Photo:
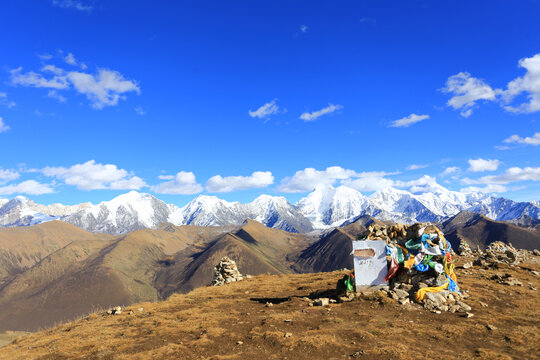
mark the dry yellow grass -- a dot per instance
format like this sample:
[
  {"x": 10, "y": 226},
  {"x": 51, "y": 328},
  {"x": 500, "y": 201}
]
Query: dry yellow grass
[{"x": 232, "y": 322}]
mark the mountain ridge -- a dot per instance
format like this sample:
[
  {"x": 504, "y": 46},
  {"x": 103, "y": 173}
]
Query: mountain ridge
[{"x": 323, "y": 208}]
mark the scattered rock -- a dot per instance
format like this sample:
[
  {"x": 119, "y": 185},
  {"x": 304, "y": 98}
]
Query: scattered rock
[
  {"x": 464, "y": 306},
  {"x": 269, "y": 304},
  {"x": 239, "y": 342},
  {"x": 321, "y": 302},
  {"x": 506, "y": 279},
  {"x": 491, "y": 327},
  {"x": 287, "y": 335},
  {"x": 483, "y": 304},
  {"x": 140, "y": 309},
  {"x": 467, "y": 265},
  {"x": 468, "y": 315},
  {"x": 114, "y": 311},
  {"x": 401, "y": 293},
  {"x": 404, "y": 301}
]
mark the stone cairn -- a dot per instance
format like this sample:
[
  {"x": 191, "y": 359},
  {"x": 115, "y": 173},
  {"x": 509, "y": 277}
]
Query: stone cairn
[
  {"x": 465, "y": 249},
  {"x": 226, "y": 272},
  {"x": 407, "y": 282},
  {"x": 500, "y": 253}
]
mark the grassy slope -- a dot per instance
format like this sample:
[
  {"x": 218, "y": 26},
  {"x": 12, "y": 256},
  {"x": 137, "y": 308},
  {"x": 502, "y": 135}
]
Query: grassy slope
[
  {"x": 479, "y": 231},
  {"x": 23, "y": 247},
  {"x": 208, "y": 323}
]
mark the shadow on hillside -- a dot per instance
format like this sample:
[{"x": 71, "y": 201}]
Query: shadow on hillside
[{"x": 329, "y": 293}]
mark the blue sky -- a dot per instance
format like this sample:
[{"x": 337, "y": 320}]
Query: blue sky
[{"x": 240, "y": 98}]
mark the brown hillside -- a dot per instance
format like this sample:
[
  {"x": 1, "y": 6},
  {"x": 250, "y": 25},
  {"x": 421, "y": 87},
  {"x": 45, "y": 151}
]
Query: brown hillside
[
  {"x": 85, "y": 275},
  {"x": 330, "y": 253},
  {"x": 479, "y": 232},
  {"x": 232, "y": 322},
  {"x": 23, "y": 247},
  {"x": 256, "y": 248},
  {"x": 144, "y": 265}
]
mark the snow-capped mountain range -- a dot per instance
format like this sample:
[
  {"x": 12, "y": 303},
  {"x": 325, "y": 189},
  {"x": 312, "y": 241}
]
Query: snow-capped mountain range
[{"x": 323, "y": 208}]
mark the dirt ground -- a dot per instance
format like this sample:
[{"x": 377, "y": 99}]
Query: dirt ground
[{"x": 234, "y": 322}]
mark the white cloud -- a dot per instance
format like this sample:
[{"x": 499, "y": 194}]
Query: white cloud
[
  {"x": 534, "y": 140},
  {"x": 265, "y": 111},
  {"x": 103, "y": 89},
  {"x": 408, "y": 120},
  {"x": 257, "y": 179},
  {"x": 367, "y": 20},
  {"x": 368, "y": 182},
  {"x": 70, "y": 59},
  {"x": 4, "y": 101},
  {"x": 316, "y": 114},
  {"x": 30, "y": 187},
  {"x": 184, "y": 183},
  {"x": 478, "y": 165},
  {"x": 33, "y": 79},
  {"x": 53, "y": 69},
  {"x": 417, "y": 166},
  {"x": 166, "y": 177},
  {"x": 488, "y": 189},
  {"x": 3, "y": 127},
  {"x": 55, "y": 95},
  {"x": 139, "y": 110},
  {"x": 304, "y": 28},
  {"x": 310, "y": 178},
  {"x": 92, "y": 176},
  {"x": 466, "y": 91},
  {"x": 529, "y": 84},
  {"x": 8, "y": 175},
  {"x": 513, "y": 174},
  {"x": 72, "y": 4},
  {"x": 45, "y": 56},
  {"x": 451, "y": 170}
]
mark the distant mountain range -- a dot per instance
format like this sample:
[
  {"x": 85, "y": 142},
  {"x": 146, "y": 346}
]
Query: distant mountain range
[{"x": 324, "y": 208}]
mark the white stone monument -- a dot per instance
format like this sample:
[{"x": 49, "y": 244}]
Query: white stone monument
[{"x": 370, "y": 265}]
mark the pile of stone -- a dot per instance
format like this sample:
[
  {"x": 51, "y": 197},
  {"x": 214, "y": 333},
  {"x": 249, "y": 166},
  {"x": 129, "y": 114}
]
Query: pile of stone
[
  {"x": 500, "y": 253},
  {"x": 464, "y": 249},
  {"x": 445, "y": 300},
  {"x": 404, "y": 287},
  {"x": 421, "y": 251},
  {"x": 396, "y": 233},
  {"x": 226, "y": 272}
]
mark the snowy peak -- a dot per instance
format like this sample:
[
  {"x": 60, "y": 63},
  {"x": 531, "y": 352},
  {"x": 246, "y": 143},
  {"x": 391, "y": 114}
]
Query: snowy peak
[
  {"x": 124, "y": 213},
  {"x": 21, "y": 211},
  {"x": 324, "y": 207},
  {"x": 329, "y": 206},
  {"x": 272, "y": 211}
]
